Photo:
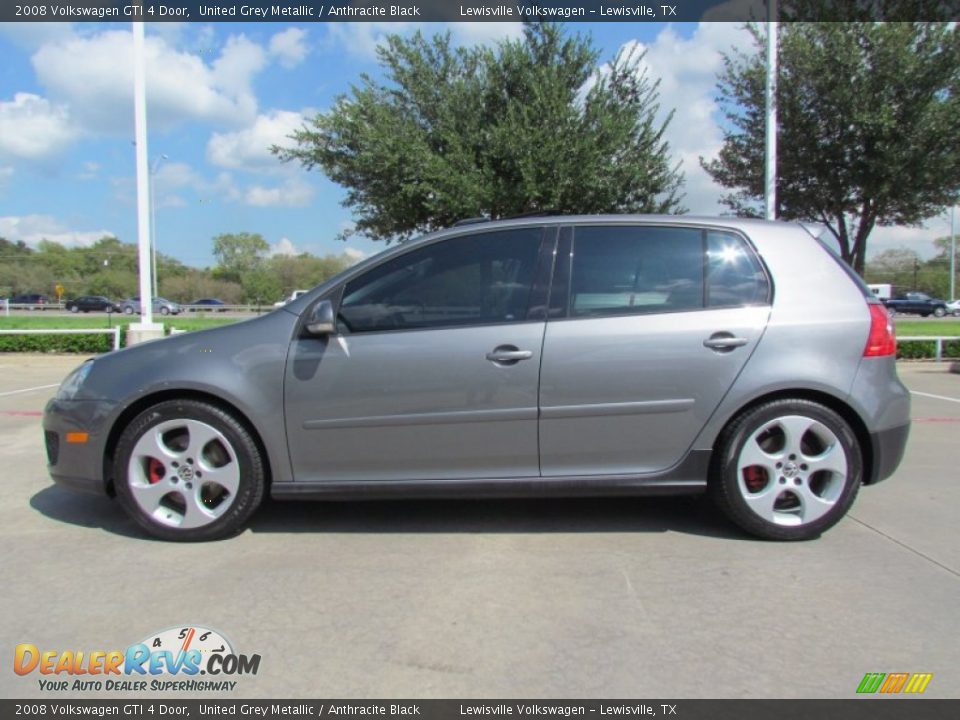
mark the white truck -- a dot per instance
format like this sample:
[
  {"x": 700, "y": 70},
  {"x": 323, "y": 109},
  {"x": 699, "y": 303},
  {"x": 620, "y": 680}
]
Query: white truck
[{"x": 881, "y": 291}]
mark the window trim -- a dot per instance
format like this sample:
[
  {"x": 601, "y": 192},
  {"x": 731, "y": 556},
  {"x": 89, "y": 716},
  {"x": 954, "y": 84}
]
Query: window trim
[{"x": 567, "y": 268}]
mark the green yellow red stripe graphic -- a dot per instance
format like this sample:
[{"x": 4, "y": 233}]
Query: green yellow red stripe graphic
[{"x": 893, "y": 683}]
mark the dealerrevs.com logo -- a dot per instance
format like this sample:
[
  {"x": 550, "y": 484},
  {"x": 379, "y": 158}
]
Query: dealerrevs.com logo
[{"x": 171, "y": 660}]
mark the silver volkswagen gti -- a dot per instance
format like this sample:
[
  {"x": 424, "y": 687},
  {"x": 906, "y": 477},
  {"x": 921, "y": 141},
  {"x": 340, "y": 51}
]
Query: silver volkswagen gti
[{"x": 562, "y": 356}]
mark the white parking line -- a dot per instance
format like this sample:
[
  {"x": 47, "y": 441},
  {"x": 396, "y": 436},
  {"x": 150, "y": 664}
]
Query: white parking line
[
  {"x": 936, "y": 397},
  {"x": 31, "y": 389}
]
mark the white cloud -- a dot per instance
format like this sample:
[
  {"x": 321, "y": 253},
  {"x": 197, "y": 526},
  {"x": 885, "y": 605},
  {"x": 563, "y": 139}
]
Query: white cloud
[
  {"x": 687, "y": 69},
  {"x": 31, "y": 229},
  {"x": 284, "y": 246},
  {"x": 249, "y": 149},
  {"x": 292, "y": 193},
  {"x": 173, "y": 180},
  {"x": 360, "y": 39},
  {"x": 289, "y": 47},
  {"x": 355, "y": 254},
  {"x": 5, "y": 174},
  {"x": 94, "y": 74},
  {"x": 32, "y": 128}
]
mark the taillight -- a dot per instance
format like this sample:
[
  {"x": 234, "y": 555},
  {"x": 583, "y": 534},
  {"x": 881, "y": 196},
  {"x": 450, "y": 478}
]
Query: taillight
[{"x": 882, "y": 339}]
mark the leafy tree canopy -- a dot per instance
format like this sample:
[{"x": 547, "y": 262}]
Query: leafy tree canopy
[
  {"x": 868, "y": 117},
  {"x": 531, "y": 125}
]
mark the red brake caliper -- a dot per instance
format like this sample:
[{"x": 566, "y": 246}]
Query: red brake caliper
[
  {"x": 755, "y": 478},
  {"x": 155, "y": 470}
]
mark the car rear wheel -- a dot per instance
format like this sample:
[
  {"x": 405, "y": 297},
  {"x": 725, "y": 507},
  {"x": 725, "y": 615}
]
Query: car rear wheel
[
  {"x": 164, "y": 310},
  {"x": 187, "y": 470},
  {"x": 786, "y": 470},
  {"x": 128, "y": 310}
]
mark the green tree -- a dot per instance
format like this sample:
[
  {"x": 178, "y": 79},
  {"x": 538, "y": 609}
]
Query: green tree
[
  {"x": 304, "y": 271},
  {"x": 260, "y": 286},
  {"x": 238, "y": 254},
  {"x": 531, "y": 125},
  {"x": 868, "y": 115}
]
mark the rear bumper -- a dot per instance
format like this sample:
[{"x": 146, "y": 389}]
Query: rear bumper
[{"x": 888, "y": 447}]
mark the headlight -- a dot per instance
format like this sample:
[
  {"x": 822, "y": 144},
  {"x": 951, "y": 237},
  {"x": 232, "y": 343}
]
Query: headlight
[{"x": 71, "y": 384}]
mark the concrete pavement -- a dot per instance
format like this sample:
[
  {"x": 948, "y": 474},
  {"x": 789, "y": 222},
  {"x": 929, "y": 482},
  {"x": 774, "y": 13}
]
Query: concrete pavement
[{"x": 653, "y": 597}]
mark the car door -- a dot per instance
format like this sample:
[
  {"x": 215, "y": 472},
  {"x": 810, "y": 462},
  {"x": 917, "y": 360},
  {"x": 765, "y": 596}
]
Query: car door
[
  {"x": 434, "y": 369},
  {"x": 649, "y": 326}
]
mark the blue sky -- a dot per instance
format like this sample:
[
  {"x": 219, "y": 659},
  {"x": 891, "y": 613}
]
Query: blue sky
[{"x": 220, "y": 94}]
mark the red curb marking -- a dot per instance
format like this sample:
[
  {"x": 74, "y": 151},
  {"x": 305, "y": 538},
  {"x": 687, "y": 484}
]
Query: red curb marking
[
  {"x": 22, "y": 413},
  {"x": 937, "y": 420}
]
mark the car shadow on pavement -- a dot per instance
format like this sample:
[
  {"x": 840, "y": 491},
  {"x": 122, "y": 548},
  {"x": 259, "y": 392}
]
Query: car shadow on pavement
[
  {"x": 691, "y": 515},
  {"x": 84, "y": 510}
]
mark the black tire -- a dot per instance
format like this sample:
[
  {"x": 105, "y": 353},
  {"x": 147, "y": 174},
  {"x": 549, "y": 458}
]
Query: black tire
[
  {"x": 251, "y": 468},
  {"x": 725, "y": 483}
]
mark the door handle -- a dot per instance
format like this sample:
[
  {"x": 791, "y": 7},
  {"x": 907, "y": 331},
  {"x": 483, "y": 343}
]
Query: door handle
[
  {"x": 508, "y": 355},
  {"x": 724, "y": 342}
]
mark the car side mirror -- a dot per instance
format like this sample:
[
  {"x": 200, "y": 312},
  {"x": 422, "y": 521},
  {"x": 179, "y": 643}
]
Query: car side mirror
[{"x": 322, "y": 320}]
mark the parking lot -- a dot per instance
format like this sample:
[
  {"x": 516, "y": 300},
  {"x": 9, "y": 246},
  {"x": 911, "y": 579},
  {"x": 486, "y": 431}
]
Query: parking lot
[{"x": 636, "y": 598}]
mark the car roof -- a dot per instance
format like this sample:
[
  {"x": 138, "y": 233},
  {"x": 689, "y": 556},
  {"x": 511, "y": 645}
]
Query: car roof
[{"x": 476, "y": 225}]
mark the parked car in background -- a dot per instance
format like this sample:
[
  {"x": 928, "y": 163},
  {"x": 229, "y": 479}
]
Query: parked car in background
[
  {"x": 916, "y": 303},
  {"x": 36, "y": 301},
  {"x": 290, "y": 298},
  {"x": 160, "y": 305},
  {"x": 208, "y": 303},
  {"x": 953, "y": 307},
  {"x": 88, "y": 303},
  {"x": 597, "y": 355}
]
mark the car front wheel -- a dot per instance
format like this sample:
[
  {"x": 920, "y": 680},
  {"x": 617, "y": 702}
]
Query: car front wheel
[
  {"x": 940, "y": 312},
  {"x": 188, "y": 470},
  {"x": 786, "y": 470},
  {"x": 128, "y": 310},
  {"x": 74, "y": 309}
]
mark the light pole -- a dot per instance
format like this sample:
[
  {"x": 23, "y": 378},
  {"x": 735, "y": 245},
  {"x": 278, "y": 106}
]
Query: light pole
[
  {"x": 154, "y": 166},
  {"x": 146, "y": 329},
  {"x": 770, "y": 168}
]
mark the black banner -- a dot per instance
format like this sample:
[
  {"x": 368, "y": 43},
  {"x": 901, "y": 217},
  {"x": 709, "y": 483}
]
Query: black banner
[
  {"x": 475, "y": 10},
  {"x": 863, "y": 709}
]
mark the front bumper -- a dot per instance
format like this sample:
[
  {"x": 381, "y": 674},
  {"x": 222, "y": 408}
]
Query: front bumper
[
  {"x": 888, "y": 447},
  {"x": 76, "y": 465}
]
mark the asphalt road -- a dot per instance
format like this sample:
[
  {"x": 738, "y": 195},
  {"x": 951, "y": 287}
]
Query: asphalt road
[{"x": 637, "y": 598}]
